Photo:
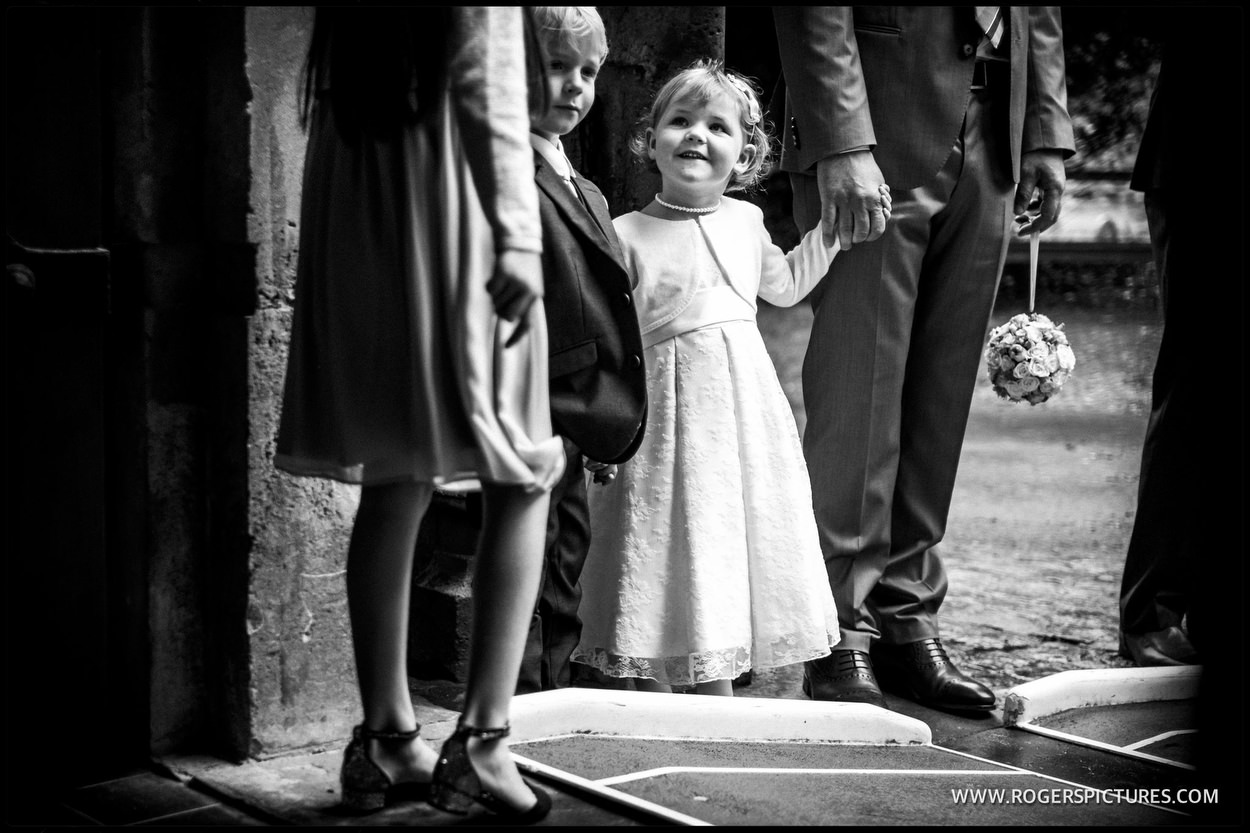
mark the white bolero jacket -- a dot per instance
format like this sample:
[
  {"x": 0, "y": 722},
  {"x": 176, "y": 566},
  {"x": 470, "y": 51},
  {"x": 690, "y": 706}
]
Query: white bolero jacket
[{"x": 665, "y": 258}]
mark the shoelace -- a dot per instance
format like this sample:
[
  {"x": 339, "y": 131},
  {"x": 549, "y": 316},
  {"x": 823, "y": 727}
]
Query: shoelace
[
  {"x": 851, "y": 662},
  {"x": 933, "y": 650}
]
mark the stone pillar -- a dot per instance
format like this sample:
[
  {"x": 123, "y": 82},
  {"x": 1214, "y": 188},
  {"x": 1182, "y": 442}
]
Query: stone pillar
[
  {"x": 183, "y": 276},
  {"x": 299, "y": 671},
  {"x": 247, "y": 647}
]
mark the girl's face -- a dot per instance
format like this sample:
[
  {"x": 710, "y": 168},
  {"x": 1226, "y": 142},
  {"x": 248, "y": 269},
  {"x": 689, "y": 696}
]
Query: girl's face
[{"x": 698, "y": 146}]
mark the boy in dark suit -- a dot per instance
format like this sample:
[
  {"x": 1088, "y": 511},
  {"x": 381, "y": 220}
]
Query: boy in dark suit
[{"x": 597, "y": 378}]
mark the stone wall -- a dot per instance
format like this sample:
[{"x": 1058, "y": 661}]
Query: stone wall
[{"x": 302, "y": 677}]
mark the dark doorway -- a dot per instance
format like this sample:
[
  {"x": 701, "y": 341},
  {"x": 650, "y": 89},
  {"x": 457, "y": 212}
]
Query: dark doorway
[{"x": 73, "y": 711}]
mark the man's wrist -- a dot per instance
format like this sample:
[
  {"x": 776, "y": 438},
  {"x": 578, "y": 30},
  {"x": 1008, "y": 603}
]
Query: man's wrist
[{"x": 841, "y": 154}]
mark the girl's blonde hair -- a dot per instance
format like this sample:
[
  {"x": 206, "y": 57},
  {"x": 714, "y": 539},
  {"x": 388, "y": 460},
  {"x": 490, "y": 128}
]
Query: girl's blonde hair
[{"x": 700, "y": 81}]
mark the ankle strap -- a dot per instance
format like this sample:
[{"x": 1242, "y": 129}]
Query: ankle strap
[
  {"x": 466, "y": 730},
  {"x": 363, "y": 732}
]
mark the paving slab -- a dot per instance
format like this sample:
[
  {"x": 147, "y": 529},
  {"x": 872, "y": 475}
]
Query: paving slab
[
  {"x": 303, "y": 788},
  {"x": 620, "y": 758},
  {"x": 1145, "y": 713}
]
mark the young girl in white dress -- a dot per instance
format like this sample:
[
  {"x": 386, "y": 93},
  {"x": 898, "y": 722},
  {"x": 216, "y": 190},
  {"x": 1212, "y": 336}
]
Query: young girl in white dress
[{"x": 704, "y": 558}]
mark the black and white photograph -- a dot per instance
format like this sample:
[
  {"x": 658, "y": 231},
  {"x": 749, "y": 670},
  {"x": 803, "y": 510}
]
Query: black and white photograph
[{"x": 583, "y": 416}]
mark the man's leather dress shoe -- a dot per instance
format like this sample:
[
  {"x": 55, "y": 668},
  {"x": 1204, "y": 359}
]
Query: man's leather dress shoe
[
  {"x": 922, "y": 671},
  {"x": 845, "y": 675},
  {"x": 1169, "y": 646}
]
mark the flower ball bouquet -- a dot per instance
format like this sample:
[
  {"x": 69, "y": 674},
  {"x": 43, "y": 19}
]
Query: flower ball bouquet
[{"x": 1028, "y": 358}]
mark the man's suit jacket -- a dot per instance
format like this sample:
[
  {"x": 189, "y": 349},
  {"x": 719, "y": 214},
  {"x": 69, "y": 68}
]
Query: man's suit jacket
[
  {"x": 598, "y": 382},
  {"x": 897, "y": 78},
  {"x": 1192, "y": 137}
]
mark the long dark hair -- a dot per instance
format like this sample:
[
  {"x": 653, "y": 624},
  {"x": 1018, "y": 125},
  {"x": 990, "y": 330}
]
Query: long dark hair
[
  {"x": 535, "y": 66},
  {"x": 379, "y": 67},
  {"x": 382, "y": 67}
]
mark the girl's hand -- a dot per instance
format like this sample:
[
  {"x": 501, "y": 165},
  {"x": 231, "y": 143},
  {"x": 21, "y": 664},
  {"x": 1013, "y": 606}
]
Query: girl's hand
[
  {"x": 850, "y": 211},
  {"x": 605, "y": 473},
  {"x": 515, "y": 285}
]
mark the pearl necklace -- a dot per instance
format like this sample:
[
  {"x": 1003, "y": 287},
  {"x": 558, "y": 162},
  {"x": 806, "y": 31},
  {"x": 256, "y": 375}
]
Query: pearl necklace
[{"x": 686, "y": 209}]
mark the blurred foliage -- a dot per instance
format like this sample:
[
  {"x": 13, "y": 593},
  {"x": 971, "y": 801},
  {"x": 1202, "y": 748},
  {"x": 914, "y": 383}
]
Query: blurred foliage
[
  {"x": 1130, "y": 285},
  {"x": 1112, "y": 56}
]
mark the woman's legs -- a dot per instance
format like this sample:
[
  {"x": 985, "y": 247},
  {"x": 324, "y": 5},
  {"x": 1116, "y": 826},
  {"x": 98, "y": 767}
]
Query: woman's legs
[
  {"x": 505, "y": 588},
  {"x": 379, "y": 590}
]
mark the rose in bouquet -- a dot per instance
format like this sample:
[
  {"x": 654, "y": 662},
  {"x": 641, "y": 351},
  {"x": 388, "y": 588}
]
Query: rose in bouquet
[{"x": 1028, "y": 358}]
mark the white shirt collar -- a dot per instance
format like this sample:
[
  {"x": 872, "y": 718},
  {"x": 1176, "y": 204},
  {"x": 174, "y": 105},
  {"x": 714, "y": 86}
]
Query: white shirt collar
[{"x": 553, "y": 153}]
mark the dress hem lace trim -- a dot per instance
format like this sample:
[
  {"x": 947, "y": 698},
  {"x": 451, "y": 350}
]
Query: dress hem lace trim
[{"x": 691, "y": 669}]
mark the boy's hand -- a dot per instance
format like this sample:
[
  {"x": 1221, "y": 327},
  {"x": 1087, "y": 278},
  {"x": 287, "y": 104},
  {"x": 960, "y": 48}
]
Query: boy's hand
[
  {"x": 515, "y": 285},
  {"x": 605, "y": 473}
]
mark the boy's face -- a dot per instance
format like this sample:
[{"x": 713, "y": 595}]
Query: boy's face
[{"x": 572, "y": 67}]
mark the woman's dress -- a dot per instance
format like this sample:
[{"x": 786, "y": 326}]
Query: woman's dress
[{"x": 397, "y": 370}]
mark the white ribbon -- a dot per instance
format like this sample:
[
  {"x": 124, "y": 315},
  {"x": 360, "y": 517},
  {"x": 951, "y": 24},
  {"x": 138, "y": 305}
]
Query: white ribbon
[{"x": 1033, "y": 243}]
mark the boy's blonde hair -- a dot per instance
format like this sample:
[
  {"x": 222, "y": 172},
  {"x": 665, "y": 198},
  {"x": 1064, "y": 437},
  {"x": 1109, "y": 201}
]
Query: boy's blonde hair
[
  {"x": 700, "y": 81},
  {"x": 567, "y": 23}
]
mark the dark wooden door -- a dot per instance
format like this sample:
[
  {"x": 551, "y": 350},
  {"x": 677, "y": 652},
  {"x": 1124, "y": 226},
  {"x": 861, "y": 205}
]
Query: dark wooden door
[{"x": 65, "y": 610}]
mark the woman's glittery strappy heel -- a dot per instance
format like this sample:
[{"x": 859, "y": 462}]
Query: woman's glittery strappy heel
[
  {"x": 457, "y": 786},
  {"x": 365, "y": 786}
]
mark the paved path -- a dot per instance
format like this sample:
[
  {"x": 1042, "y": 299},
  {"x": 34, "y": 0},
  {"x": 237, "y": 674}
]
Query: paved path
[{"x": 623, "y": 758}]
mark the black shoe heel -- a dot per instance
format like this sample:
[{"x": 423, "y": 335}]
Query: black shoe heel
[
  {"x": 457, "y": 787},
  {"x": 365, "y": 787}
]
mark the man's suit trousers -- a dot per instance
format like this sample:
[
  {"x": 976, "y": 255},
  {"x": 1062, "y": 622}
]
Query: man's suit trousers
[{"x": 895, "y": 351}]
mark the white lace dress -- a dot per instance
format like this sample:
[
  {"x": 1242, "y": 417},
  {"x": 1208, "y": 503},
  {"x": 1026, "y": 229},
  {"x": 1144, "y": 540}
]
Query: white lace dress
[{"x": 704, "y": 559}]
